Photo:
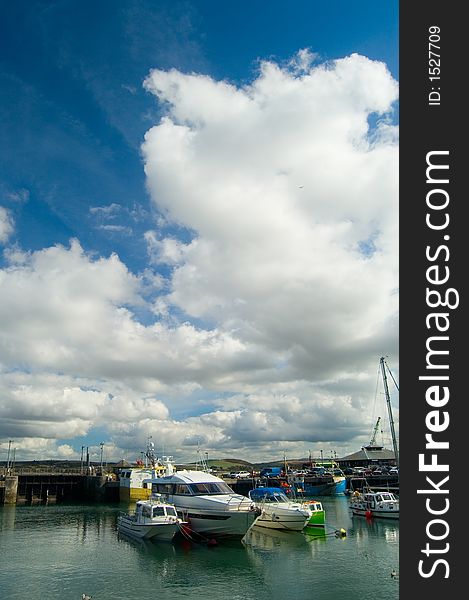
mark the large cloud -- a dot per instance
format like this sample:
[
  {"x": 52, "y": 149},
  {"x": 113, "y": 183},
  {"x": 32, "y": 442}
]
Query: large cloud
[
  {"x": 293, "y": 201},
  {"x": 77, "y": 315}
]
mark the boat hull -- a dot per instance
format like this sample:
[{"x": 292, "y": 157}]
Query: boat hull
[
  {"x": 383, "y": 514},
  {"x": 132, "y": 494},
  {"x": 219, "y": 524},
  {"x": 275, "y": 519},
  {"x": 332, "y": 488},
  {"x": 154, "y": 531},
  {"x": 317, "y": 519}
]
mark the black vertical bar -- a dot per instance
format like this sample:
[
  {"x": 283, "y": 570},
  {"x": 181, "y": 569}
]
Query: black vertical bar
[{"x": 432, "y": 273}]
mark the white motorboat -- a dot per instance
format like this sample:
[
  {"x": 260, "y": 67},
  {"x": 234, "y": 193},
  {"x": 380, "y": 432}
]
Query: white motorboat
[
  {"x": 153, "y": 519},
  {"x": 207, "y": 503},
  {"x": 278, "y": 511},
  {"x": 375, "y": 504}
]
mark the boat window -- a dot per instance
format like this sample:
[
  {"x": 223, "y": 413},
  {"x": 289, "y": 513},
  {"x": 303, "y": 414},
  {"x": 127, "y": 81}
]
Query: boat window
[
  {"x": 171, "y": 511},
  {"x": 146, "y": 511},
  {"x": 162, "y": 488},
  {"x": 158, "y": 511},
  {"x": 210, "y": 488},
  {"x": 224, "y": 488},
  {"x": 182, "y": 488}
]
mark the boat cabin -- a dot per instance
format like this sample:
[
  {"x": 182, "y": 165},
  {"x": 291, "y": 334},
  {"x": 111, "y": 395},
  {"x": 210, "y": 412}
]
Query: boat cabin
[
  {"x": 149, "y": 510},
  {"x": 377, "y": 499},
  {"x": 314, "y": 505}
]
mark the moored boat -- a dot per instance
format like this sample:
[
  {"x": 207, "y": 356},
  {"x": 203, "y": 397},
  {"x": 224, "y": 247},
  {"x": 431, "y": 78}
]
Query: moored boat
[
  {"x": 375, "y": 504},
  {"x": 133, "y": 484},
  {"x": 211, "y": 508},
  {"x": 318, "y": 515},
  {"x": 153, "y": 519},
  {"x": 319, "y": 484},
  {"x": 278, "y": 511}
]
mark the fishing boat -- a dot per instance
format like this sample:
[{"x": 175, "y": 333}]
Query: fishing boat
[
  {"x": 209, "y": 505},
  {"x": 278, "y": 511},
  {"x": 153, "y": 519},
  {"x": 375, "y": 504},
  {"x": 133, "y": 484},
  {"x": 319, "y": 482}
]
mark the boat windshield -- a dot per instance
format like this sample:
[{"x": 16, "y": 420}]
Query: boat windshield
[
  {"x": 171, "y": 511},
  {"x": 193, "y": 489},
  {"x": 202, "y": 489},
  {"x": 275, "y": 497},
  {"x": 387, "y": 496}
]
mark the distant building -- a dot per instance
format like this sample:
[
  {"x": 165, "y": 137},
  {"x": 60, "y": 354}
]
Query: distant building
[{"x": 368, "y": 455}]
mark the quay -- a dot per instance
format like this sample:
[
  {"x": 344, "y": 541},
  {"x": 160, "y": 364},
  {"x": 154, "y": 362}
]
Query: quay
[
  {"x": 376, "y": 482},
  {"x": 52, "y": 488}
]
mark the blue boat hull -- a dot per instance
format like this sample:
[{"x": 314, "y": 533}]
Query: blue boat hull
[{"x": 325, "y": 489}]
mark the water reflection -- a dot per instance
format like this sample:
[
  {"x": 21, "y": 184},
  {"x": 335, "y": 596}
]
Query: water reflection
[
  {"x": 364, "y": 529},
  {"x": 74, "y": 549},
  {"x": 7, "y": 517},
  {"x": 273, "y": 539}
]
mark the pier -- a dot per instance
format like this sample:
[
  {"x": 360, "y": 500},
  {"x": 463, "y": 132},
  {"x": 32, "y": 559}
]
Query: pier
[{"x": 52, "y": 488}]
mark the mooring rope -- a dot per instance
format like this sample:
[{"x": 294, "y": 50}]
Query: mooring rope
[{"x": 185, "y": 529}]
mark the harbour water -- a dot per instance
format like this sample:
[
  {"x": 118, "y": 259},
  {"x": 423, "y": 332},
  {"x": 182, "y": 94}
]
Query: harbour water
[{"x": 61, "y": 551}]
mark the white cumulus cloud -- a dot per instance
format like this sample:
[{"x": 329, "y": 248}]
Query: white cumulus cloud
[
  {"x": 293, "y": 201},
  {"x": 6, "y": 225}
]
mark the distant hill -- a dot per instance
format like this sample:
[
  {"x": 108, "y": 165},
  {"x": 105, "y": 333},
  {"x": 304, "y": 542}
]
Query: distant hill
[
  {"x": 224, "y": 464},
  {"x": 230, "y": 463}
]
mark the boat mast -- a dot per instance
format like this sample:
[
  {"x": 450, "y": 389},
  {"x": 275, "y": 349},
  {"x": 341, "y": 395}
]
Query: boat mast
[{"x": 388, "y": 401}]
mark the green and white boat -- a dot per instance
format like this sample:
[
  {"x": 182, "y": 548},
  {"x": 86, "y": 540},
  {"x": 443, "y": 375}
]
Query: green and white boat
[{"x": 318, "y": 516}]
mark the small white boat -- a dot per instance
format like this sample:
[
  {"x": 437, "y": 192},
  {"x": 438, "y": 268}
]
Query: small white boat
[
  {"x": 375, "y": 504},
  {"x": 153, "y": 519},
  {"x": 277, "y": 511}
]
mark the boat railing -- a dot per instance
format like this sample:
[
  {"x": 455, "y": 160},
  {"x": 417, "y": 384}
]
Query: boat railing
[{"x": 235, "y": 503}]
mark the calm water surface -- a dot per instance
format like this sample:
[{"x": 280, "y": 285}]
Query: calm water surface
[{"x": 59, "y": 552}]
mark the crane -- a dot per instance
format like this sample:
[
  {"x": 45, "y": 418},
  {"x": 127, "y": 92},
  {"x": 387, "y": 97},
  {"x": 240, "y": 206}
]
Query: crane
[{"x": 375, "y": 431}]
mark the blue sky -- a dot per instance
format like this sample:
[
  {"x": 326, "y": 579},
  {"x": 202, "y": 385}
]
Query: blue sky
[{"x": 74, "y": 166}]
